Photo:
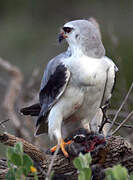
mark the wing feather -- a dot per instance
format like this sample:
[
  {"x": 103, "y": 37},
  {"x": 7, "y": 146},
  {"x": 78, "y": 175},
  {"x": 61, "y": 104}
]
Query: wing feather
[
  {"x": 53, "y": 85},
  {"x": 110, "y": 81}
]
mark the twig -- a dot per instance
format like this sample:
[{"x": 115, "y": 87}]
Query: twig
[
  {"x": 124, "y": 101},
  {"x": 104, "y": 119},
  {"x": 125, "y": 120},
  {"x": 122, "y": 114},
  {"x": 117, "y": 124},
  {"x": 2, "y": 122},
  {"x": 51, "y": 164}
]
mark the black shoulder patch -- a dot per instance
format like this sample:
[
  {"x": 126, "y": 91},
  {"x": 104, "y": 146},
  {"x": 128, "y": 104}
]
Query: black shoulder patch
[
  {"x": 54, "y": 85},
  {"x": 52, "y": 91}
]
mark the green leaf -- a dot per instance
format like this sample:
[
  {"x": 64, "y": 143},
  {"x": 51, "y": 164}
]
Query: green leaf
[
  {"x": 81, "y": 176},
  {"x": 51, "y": 175},
  {"x": 13, "y": 157},
  {"x": 131, "y": 177},
  {"x": 116, "y": 173},
  {"x": 10, "y": 175},
  {"x": 78, "y": 163},
  {"x": 27, "y": 162},
  {"x": 16, "y": 159},
  {"x": 82, "y": 163},
  {"x": 9, "y": 164},
  {"x": 83, "y": 160},
  {"x": 109, "y": 177},
  {"x": 88, "y": 159},
  {"x": 19, "y": 173},
  {"x": 85, "y": 174},
  {"x": 120, "y": 173},
  {"x": 10, "y": 151},
  {"x": 25, "y": 171},
  {"x": 18, "y": 147},
  {"x": 109, "y": 174}
]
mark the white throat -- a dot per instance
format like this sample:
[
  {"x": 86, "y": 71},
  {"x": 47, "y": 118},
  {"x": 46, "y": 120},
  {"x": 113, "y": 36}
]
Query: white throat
[{"x": 76, "y": 50}]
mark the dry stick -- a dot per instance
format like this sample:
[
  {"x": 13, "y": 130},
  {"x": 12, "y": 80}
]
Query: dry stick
[
  {"x": 117, "y": 124},
  {"x": 116, "y": 115},
  {"x": 2, "y": 122},
  {"x": 125, "y": 120},
  {"x": 122, "y": 114},
  {"x": 52, "y": 162}
]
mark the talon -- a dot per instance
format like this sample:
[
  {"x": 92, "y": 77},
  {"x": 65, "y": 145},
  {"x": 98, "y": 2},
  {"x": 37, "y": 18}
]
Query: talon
[
  {"x": 53, "y": 149},
  {"x": 62, "y": 146}
]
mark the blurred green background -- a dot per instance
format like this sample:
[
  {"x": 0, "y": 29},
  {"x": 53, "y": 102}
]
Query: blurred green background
[
  {"x": 29, "y": 28},
  {"x": 29, "y": 31}
]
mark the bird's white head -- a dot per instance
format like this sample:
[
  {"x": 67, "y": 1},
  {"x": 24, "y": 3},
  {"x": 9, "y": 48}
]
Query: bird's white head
[{"x": 83, "y": 35}]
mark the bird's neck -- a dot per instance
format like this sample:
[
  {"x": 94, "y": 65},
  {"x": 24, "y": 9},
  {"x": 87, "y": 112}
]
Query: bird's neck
[{"x": 75, "y": 50}]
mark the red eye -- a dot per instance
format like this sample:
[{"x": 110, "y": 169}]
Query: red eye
[{"x": 67, "y": 29}]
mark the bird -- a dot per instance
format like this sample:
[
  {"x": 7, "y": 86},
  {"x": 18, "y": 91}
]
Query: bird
[{"x": 76, "y": 84}]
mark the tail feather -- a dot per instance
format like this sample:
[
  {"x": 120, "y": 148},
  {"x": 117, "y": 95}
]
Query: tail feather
[
  {"x": 41, "y": 124},
  {"x": 41, "y": 112},
  {"x": 33, "y": 110},
  {"x": 42, "y": 127}
]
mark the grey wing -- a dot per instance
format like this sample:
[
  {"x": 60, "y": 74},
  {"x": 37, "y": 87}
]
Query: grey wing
[
  {"x": 107, "y": 94},
  {"x": 54, "y": 82},
  {"x": 110, "y": 81}
]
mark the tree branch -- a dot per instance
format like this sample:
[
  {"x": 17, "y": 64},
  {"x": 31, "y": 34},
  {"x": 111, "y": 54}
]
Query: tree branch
[
  {"x": 30, "y": 149},
  {"x": 113, "y": 151}
]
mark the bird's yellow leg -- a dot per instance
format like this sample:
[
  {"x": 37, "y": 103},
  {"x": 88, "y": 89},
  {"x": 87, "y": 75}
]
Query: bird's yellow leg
[{"x": 62, "y": 146}]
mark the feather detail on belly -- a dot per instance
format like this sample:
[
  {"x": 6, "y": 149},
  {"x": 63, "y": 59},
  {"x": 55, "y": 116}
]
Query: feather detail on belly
[{"x": 73, "y": 118}]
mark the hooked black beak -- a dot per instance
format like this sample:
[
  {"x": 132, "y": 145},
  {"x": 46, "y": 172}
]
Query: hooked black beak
[{"x": 61, "y": 37}]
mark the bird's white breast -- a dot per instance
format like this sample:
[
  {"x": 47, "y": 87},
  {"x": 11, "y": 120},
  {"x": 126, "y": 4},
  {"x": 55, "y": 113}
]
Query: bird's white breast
[
  {"x": 87, "y": 71},
  {"x": 88, "y": 78}
]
